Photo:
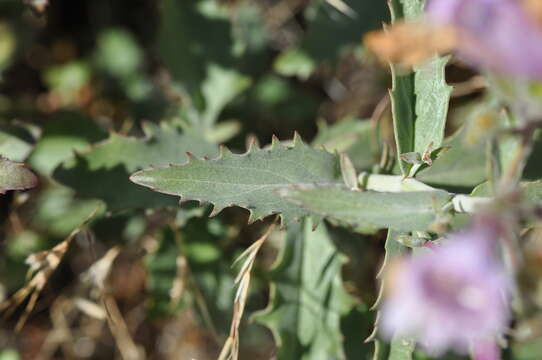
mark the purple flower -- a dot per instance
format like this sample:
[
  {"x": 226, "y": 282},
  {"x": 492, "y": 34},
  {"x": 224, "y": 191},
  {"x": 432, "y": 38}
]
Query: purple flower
[
  {"x": 451, "y": 297},
  {"x": 495, "y": 34}
]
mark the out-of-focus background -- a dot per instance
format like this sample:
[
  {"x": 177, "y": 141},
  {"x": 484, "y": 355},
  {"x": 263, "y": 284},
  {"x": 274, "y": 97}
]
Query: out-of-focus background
[{"x": 71, "y": 72}]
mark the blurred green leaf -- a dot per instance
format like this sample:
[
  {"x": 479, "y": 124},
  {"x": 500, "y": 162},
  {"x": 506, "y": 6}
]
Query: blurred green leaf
[
  {"x": 527, "y": 351},
  {"x": 190, "y": 40},
  {"x": 248, "y": 180},
  {"x": 102, "y": 171},
  {"x": 162, "y": 271},
  {"x": 118, "y": 53},
  {"x": 9, "y": 354},
  {"x": 66, "y": 80},
  {"x": 16, "y": 142},
  {"x": 353, "y": 136},
  {"x": 307, "y": 297},
  {"x": 56, "y": 211},
  {"x": 329, "y": 31},
  {"x": 65, "y": 133},
  {"x": 219, "y": 88},
  {"x": 7, "y": 46},
  {"x": 294, "y": 62},
  {"x": 407, "y": 211},
  {"x": 15, "y": 176}
]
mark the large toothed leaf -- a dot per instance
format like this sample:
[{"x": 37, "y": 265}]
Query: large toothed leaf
[
  {"x": 402, "y": 211},
  {"x": 15, "y": 176},
  {"x": 248, "y": 180},
  {"x": 103, "y": 170},
  {"x": 307, "y": 296}
]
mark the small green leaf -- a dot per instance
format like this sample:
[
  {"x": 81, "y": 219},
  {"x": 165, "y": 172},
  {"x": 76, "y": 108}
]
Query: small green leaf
[
  {"x": 307, "y": 296},
  {"x": 294, "y": 62},
  {"x": 248, "y": 180},
  {"x": 220, "y": 87},
  {"x": 15, "y": 176},
  {"x": 353, "y": 136},
  {"x": 462, "y": 165},
  {"x": 16, "y": 142},
  {"x": 402, "y": 211},
  {"x": 102, "y": 171},
  {"x": 65, "y": 132}
]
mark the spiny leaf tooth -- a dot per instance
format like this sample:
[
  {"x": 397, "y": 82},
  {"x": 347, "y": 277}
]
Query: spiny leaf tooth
[
  {"x": 224, "y": 152},
  {"x": 275, "y": 142},
  {"x": 378, "y": 298},
  {"x": 149, "y": 129},
  {"x": 217, "y": 208},
  {"x": 252, "y": 144},
  {"x": 298, "y": 141},
  {"x": 251, "y": 217}
]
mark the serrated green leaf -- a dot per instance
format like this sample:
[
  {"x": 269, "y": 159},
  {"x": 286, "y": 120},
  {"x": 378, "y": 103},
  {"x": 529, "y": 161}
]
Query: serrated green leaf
[
  {"x": 399, "y": 348},
  {"x": 15, "y": 176},
  {"x": 407, "y": 211},
  {"x": 419, "y": 100},
  {"x": 432, "y": 98},
  {"x": 248, "y": 180},
  {"x": 307, "y": 296},
  {"x": 393, "y": 252},
  {"x": 102, "y": 171}
]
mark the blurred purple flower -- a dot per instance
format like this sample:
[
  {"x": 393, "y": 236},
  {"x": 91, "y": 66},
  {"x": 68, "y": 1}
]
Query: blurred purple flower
[
  {"x": 451, "y": 297},
  {"x": 496, "y": 34}
]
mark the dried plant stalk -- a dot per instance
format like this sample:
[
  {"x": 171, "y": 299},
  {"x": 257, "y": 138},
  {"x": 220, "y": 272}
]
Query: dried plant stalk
[{"x": 230, "y": 350}]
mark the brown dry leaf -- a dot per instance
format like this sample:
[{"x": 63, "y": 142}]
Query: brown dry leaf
[
  {"x": 41, "y": 266},
  {"x": 534, "y": 9},
  {"x": 410, "y": 43},
  {"x": 230, "y": 350}
]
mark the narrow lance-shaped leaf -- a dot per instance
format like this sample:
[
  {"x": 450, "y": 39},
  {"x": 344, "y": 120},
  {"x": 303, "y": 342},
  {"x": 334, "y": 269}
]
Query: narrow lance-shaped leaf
[
  {"x": 15, "y": 176},
  {"x": 407, "y": 211},
  {"x": 399, "y": 348},
  {"x": 248, "y": 180},
  {"x": 420, "y": 100},
  {"x": 403, "y": 102},
  {"x": 102, "y": 171},
  {"x": 307, "y": 296},
  {"x": 432, "y": 98}
]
